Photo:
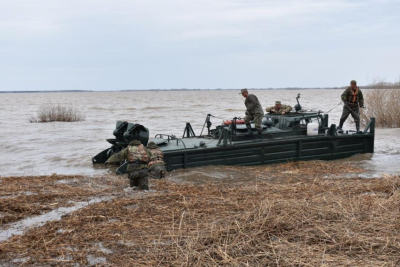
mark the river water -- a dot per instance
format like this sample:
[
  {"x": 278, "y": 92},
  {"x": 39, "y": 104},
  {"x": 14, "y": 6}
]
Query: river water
[{"x": 67, "y": 147}]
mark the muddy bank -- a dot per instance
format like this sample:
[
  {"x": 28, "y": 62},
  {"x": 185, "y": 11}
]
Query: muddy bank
[{"x": 302, "y": 214}]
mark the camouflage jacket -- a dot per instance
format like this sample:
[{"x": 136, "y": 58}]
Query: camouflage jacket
[
  {"x": 137, "y": 155},
  {"x": 157, "y": 156},
  {"x": 253, "y": 105},
  {"x": 284, "y": 108},
  {"x": 353, "y": 97}
]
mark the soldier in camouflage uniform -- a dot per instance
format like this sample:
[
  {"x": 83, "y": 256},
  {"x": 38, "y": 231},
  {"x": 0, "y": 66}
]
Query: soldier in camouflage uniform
[
  {"x": 138, "y": 157},
  {"x": 254, "y": 112},
  {"x": 279, "y": 108},
  {"x": 156, "y": 165},
  {"x": 352, "y": 98}
]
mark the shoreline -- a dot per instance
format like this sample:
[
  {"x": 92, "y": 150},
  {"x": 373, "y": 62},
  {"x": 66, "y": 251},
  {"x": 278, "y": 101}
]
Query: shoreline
[{"x": 184, "y": 89}]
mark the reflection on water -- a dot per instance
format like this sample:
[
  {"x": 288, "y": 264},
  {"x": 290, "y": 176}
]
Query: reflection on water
[{"x": 67, "y": 148}]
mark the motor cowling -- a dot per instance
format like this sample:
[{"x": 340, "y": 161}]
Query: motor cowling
[
  {"x": 120, "y": 129},
  {"x": 136, "y": 132}
]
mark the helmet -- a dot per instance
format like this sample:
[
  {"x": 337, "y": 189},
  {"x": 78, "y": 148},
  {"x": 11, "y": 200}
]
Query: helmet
[
  {"x": 135, "y": 143},
  {"x": 152, "y": 145}
]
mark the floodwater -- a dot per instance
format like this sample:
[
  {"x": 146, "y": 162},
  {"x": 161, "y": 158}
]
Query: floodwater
[{"x": 67, "y": 147}]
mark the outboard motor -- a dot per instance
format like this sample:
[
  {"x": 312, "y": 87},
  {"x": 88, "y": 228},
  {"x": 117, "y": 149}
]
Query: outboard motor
[
  {"x": 124, "y": 133},
  {"x": 136, "y": 132},
  {"x": 120, "y": 129}
]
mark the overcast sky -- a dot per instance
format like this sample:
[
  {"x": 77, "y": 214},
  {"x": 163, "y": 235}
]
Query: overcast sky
[{"x": 144, "y": 44}]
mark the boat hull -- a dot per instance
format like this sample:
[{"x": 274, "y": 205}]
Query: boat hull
[{"x": 272, "y": 151}]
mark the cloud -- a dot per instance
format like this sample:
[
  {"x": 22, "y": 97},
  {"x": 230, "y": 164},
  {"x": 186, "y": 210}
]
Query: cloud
[{"x": 88, "y": 40}]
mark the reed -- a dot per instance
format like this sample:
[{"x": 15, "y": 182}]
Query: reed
[
  {"x": 57, "y": 112},
  {"x": 383, "y": 104}
]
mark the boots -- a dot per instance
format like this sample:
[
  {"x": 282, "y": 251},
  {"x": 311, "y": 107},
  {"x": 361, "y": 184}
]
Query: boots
[
  {"x": 339, "y": 129},
  {"x": 249, "y": 132},
  {"x": 358, "y": 128},
  {"x": 259, "y": 133}
]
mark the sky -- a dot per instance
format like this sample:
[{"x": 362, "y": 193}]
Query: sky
[{"x": 196, "y": 44}]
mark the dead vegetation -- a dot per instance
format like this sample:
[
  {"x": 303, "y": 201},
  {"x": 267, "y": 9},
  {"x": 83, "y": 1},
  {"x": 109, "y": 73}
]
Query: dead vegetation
[
  {"x": 22, "y": 197},
  {"x": 382, "y": 104},
  {"x": 56, "y": 112},
  {"x": 290, "y": 217}
]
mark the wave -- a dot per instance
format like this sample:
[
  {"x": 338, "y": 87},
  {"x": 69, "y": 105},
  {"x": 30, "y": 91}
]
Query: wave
[{"x": 155, "y": 108}]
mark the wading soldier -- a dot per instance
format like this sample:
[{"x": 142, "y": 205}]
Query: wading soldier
[
  {"x": 279, "y": 108},
  {"x": 352, "y": 98},
  {"x": 254, "y": 112},
  {"x": 156, "y": 165},
  {"x": 138, "y": 157}
]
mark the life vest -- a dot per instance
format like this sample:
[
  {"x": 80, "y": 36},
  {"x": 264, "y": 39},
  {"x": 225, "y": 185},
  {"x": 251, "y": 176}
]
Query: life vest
[
  {"x": 138, "y": 153},
  {"x": 156, "y": 156},
  {"x": 352, "y": 96}
]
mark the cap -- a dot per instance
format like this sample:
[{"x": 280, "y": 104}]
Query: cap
[
  {"x": 277, "y": 102},
  {"x": 353, "y": 82},
  {"x": 152, "y": 145},
  {"x": 135, "y": 143},
  {"x": 243, "y": 91}
]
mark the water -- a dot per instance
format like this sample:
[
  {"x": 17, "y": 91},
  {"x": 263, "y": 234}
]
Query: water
[{"x": 67, "y": 147}]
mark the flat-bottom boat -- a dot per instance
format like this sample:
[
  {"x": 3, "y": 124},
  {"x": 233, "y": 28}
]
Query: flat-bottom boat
[{"x": 298, "y": 135}]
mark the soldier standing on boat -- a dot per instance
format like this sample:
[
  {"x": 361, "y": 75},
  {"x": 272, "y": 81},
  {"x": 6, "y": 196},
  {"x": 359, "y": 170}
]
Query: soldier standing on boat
[
  {"x": 352, "y": 98},
  {"x": 156, "y": 165},
  {"x": 254, "y": 112},
  {"x": 279, "y": 108},
  {"x": 138, "y": 157}
]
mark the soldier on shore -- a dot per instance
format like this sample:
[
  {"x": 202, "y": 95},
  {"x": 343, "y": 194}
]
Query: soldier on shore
[
  {"x": 254, "y": 112},
  {"x": 352, "y": 98},
  {"x": 279, "y": 108},
  {"x": 156, "y": 165},
  {"x": 138, "y": 157}
]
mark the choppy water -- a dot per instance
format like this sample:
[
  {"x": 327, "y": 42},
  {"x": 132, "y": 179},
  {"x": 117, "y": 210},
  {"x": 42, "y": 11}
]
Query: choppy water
[{"x": 67, "y": 148}]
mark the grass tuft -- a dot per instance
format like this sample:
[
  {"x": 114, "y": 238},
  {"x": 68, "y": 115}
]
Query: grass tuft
[{"x": 57, "y": 112}]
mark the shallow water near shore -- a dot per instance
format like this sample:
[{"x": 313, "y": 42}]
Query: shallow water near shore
[{"x": 67, "y": 147}]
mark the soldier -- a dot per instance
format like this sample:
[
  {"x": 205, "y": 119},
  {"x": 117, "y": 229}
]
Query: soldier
[
  {"x": 279, "y": 108},
  {"x": 156, "y": 165},
  {"x": 138, "y": 157},
  {"x": 352, "y": 98},
  {"x": 254, "y": 112}
]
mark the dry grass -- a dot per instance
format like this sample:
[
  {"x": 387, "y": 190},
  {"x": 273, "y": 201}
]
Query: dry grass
[
  {"x": 57, "y": 112},
  {"x": 302, "y": 220},
  {"x": 382, "y": 104},
  {"x": 22, "y": 197}
]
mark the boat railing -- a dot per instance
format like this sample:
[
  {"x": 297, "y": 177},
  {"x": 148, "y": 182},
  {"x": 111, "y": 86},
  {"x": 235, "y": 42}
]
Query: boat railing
[
  {"x": 171, "y": 137},
  {"x": 370, "y": 126}
]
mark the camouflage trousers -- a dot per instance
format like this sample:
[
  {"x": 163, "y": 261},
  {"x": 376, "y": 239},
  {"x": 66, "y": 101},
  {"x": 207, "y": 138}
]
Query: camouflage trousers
[
  {"x": 157, "y": 171},
  {"x": 350, "y": 109},
  {"x": 139, "y": 178},
  {"x": 256, "y": 117}
]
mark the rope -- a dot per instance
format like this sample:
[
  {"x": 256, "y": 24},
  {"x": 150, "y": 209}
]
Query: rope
[
  {"x": 334, "y": 107},
  {"x": 217, "y": 117}
]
